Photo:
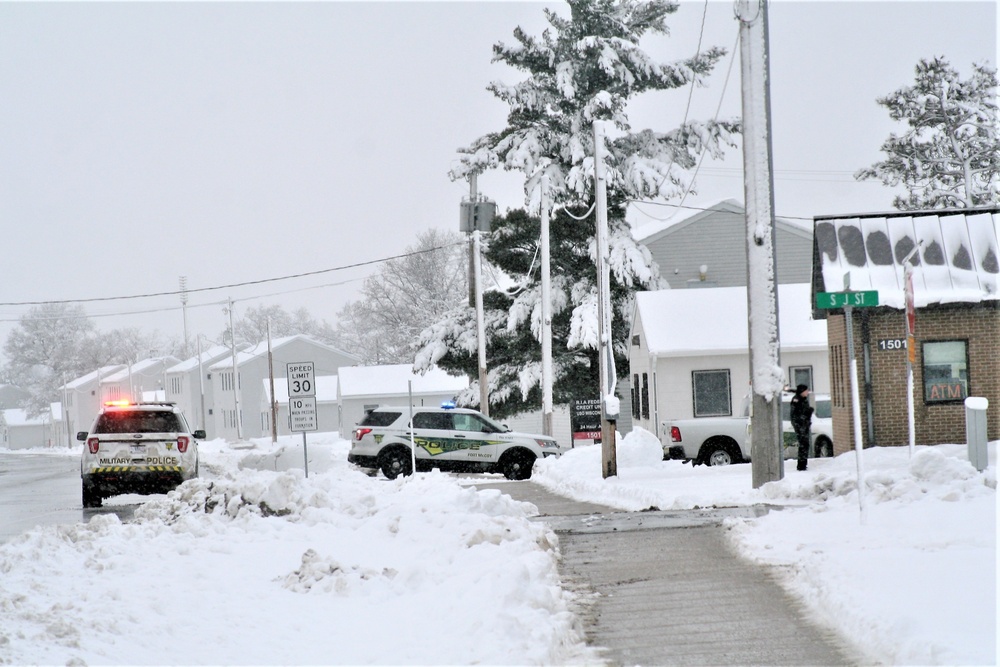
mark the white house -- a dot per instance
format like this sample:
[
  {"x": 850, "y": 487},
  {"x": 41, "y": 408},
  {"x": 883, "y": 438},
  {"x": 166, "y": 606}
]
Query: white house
[
  {"x": 246, "y": 385},
  {"x": 362, "y": 388},
  {"x": 689, "y": 351},
  {"x": 82, "y": 398},
  {"x": 19, "y": 431},
  {"x": 327, "y": 405},
  {"x": 189, "y": 386},
  {"x": 134, "y": 380}
]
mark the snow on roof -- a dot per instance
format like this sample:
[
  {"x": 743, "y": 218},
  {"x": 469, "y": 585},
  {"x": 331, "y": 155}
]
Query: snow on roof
[
  {"x": 326, "y": 389},
  {"x": 137, "y": 367},
  {"x": 92, "y": 376},
  {"x": 393, "y": 380},
  {"x": 644, "y": 232},
  {"x": 957, "y": 261},
  {"x": 692, "y": 322},
  {"x": 261, "y": 348},
  {"x": 19, "y": 417},
  {"x": 207, "y": 356}
]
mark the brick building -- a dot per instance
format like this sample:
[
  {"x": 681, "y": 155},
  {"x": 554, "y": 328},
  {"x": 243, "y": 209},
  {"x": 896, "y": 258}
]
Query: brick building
[{"x": 956, "y": 306}]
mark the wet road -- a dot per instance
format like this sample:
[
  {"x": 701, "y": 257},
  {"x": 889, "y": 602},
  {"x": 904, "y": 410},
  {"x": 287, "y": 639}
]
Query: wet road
[{"x": 39, "y": 489}]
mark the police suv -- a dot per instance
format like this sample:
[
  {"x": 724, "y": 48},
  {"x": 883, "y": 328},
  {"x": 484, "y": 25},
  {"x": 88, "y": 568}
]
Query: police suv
[
  {"x": 137, "y": 448},
  {"x": 452, "y": 439}
]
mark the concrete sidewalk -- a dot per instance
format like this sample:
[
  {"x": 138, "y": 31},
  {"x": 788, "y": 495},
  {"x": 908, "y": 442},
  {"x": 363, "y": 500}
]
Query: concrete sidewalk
[{"x": 664, "y": 588}]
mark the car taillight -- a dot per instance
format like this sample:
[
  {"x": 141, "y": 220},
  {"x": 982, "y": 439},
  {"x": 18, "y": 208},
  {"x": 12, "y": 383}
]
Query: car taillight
[
  {"x": 675, "y": 434},
  {"x": 182, "y": 444},
  {"x": 93, "y": 444},
  {"x": 361, "y": 432}
]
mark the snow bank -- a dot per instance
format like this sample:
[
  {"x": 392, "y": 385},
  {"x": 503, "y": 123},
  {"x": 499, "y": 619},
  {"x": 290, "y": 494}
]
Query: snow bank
[{"x": 338, "y": 568}]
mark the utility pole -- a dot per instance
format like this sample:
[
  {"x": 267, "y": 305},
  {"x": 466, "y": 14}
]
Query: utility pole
[
  {"x": 609, "y": 403},
  {"x": 473, "y": 218},
  {"x": 236, "y": 384},
  {"x": 766, "y": 377},
  {"x": 201, "y": 385},
  {"x": 274, "y": 399},
  {"x": 184, "y": 310},
  {"x": 546, "y": 312}
]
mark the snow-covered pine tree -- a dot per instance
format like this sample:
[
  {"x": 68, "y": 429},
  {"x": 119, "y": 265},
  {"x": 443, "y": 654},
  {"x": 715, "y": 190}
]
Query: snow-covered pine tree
[
  {"x": 582, "y": 69},
  {"x": 950, "y": 155}
]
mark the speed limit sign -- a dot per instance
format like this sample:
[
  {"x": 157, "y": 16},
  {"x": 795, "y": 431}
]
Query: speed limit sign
[{"x": 301, "y": 379}]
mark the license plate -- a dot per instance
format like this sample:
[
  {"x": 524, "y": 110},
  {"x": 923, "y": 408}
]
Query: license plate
[{"x": 137, "y": 449}]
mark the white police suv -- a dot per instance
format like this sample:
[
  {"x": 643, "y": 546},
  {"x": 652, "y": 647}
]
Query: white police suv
[
  {"x": 452, "y": 439},
  {"x": 137, "y": 448}
]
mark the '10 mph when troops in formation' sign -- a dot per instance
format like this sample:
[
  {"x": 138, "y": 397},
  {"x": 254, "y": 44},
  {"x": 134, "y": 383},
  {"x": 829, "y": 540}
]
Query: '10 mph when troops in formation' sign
[{"x": 302, "y": 396}]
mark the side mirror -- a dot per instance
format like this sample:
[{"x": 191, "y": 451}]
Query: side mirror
[
  {"x": 506, "y": 429},
  {"x": 199, "y": 434},
  {"x": 81, "y": 436}
]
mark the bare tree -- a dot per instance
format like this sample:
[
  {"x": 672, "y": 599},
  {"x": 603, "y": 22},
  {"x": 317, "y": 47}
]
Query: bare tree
[
  {"x": 405, "y": 296},
  {"x": 251, "y": 326},
  {"x": 45, "y": 350}
]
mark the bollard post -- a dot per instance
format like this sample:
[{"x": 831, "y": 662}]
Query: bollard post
[{"x": 975, "y": 431}]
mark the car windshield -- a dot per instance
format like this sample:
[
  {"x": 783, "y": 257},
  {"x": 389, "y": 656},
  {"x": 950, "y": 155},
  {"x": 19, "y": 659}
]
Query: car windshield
[{"x": 140, "y": 421}]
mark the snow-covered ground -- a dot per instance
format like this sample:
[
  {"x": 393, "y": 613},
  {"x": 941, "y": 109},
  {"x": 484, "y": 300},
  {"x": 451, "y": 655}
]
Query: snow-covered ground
[{"x": 256, "y": 564}]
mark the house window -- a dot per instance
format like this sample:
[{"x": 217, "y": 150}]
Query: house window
[
  {"x": 801, "y": 375},
  {"x": 946, "y": 371},
  {"x": 635, "y": 395},
  {"x": 711, "y": 393},
  {"x": 645, "y": 396}
]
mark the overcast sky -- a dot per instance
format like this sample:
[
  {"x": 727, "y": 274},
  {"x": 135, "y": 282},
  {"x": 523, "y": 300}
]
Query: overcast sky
[{"x": 236, "y": 142}]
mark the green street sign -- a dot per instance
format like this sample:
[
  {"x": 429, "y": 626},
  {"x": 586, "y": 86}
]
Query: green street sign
[{"x": 844, "y": 299}]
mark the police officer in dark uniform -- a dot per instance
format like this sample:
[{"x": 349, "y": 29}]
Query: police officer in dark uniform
[{"x": 801, "y": 419}]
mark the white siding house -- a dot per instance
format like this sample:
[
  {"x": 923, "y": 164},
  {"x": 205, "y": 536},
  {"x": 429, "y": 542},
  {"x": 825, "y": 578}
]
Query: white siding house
[
  {"x": 252, "y": 368},
  {"x": 19, "y": 431},
  {"x": 689, "y": 351},
  {"x": 189, "y": 386},
  {"x": 82, "y": 398},
  {"x": 362, "y": 388},
  {"x": 135, "y": 380}
]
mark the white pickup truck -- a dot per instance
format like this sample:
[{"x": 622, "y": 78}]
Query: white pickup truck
[{"x": 719, "y": 441}]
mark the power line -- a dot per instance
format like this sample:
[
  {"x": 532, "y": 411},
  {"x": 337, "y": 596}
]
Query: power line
[
  {"x": 232, "y": 285},
  {"x": 702, "y": 208},
  {"x": 167, "y": 309}
]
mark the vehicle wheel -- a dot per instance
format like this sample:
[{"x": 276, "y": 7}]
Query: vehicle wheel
[
  {"x": 91, "y": 496},
  {"x": 824, "y": 448},
  {"x": 395, "y": 462},
  {"x": 719, "y": 453},
  {"x": 517, "y": 465}
]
